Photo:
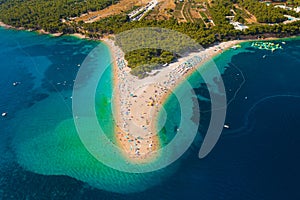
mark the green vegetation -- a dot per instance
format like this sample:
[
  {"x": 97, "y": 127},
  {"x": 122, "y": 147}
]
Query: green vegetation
[
  {"x": 239, "y": 18},
  {"x": 120, "y": 23},
  {"x": 241, "y": 15},
  {"x": 47, "y": 15},
  {"x": 294, "y": 2},
  {"x": 220, "y": 10},
  {"x": 262, "y": 12},
  {"x": 143, "y": 61},
  {"x": 279, "y": 30},
  {"x": 289, "y": 12},
  {"x": 145, "y": 56},
  {"x": 186, "y": 13}
]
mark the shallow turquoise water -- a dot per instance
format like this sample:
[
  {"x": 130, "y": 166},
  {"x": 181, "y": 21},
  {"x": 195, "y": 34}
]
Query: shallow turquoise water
[
  {"x": 43, "y": 135},
  {"x": 255, "y": 159}
]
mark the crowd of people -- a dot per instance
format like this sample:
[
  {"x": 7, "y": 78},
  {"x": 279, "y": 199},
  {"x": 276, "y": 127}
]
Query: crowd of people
[{"x": 181, "y": 70}]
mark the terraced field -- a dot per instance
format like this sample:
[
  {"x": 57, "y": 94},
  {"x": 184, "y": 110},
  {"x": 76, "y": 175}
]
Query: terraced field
[
  {"x": 165, "y": 10},
  {"x": 122, "y": 6},
  {"x": 186, "y": 12},
  {"x": 178, "y": 12}
]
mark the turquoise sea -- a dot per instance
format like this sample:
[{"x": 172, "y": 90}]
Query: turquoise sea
[{"x": 43, "y": 158}]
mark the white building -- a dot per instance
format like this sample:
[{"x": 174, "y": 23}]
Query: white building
[
  {"x": 239, "y": 26},
  {"x": 283, "y": 7}
]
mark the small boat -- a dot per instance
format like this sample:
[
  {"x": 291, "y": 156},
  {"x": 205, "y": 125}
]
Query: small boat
[
  {"x": 16, "y": 83},
  {"x": 226, "y": 126},
  {"x": 4, "y": 114},
  {"x": 264, "y": 56},
  {"x": 283, "y": 42}
]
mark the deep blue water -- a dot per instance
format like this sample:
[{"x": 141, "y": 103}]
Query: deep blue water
[{"x": 257, "y": 158}]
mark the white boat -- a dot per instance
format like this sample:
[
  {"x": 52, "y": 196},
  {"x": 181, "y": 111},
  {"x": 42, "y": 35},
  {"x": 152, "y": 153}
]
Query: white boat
[
  {"x": 226, "y": 126},
  {"x": 4, "y": 114},
  {"x": 16, "y": 83}
]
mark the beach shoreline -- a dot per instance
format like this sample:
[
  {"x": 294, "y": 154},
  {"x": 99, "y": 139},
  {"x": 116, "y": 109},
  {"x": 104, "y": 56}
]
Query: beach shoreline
[
  {"x": 142, "y": 110},
  {"x": 40, "y": 31},
  {"x": 79, "y": 36},
  {"x": 122, "y": 137},
  {"x": 157, "y": 92},
  {"x": 143, "y": 147},
  {"x": 5, "y": 25}
]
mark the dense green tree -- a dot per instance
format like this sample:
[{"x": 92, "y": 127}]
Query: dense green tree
[
  {"x": 263, "y": 12},
  {"x": 47, "y": 15}
]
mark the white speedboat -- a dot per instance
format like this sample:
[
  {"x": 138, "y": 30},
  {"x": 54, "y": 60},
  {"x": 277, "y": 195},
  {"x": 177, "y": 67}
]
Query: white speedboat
[{"x": 226, "y": 126}]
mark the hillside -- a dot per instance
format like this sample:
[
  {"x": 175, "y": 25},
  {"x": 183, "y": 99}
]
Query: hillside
[{"x": 206, "y": 21}]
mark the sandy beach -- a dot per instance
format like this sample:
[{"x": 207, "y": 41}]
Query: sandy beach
[
  {"x": 78, "y": 35},
  {"x": 137, "y": 102},
  {"x": 5, "y": 25}
]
